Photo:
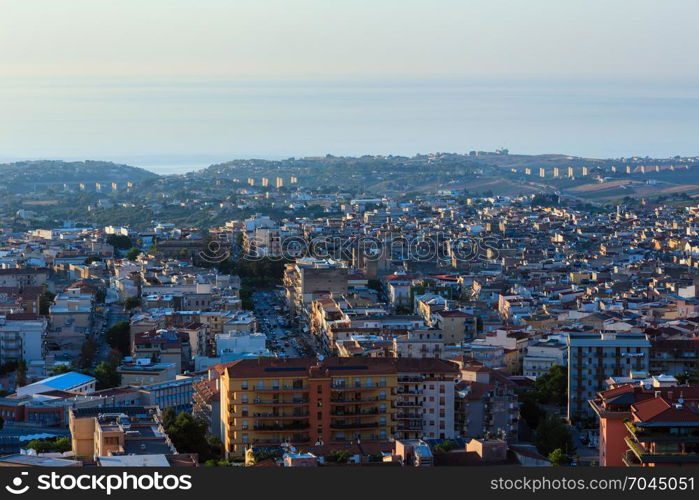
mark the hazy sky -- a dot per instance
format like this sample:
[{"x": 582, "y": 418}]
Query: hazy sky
[{"x": 132, "y": 79}]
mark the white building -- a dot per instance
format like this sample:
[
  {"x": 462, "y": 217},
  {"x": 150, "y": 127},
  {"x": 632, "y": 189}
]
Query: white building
[{"x": 22, "y": 337}]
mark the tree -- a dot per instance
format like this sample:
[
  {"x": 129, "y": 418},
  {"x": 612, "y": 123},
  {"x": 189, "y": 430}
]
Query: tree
[
  {"x": 88, "y": 351},
  {"x": 55, "y": 445},
  {"x": 339, "y": 456},
  {"x": 118, "y": 336},
  {"x": 133, "y": 254},
  {"x": 114, "y": 358},
  {"x": 21, "y": 374},
  {"x": 132, "y": 303},
  {"x": 552, "y": 387},
  {"x": 444, "y": 447},
  {"x": 107, "y": 376},
  {"x": 120, "y": 241},
  {"x": 529, "y": 409},
  {"x": 45, "y": 301},
  {"x": 168, "y": 417},
  {"x": 553, "y": 433},
  {"x": 100, "y": 295},
  {"x": 59, "y": 369},
  {"x": 188, "y": 434},
  {"x": 558, "y": 458}
]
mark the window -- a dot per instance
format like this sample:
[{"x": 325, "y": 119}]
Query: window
[{"x": 244, "y": 385}]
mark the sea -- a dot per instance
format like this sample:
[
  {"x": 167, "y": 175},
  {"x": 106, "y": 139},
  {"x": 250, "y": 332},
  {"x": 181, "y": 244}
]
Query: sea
[{"x": 180, "y": 125}]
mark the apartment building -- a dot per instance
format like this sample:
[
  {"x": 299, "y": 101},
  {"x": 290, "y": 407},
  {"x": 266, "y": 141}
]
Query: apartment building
[
  {"x": 419, "y": 344},
  {"x": 103, "y": 434},
  {"x": 648, "y": 424},
  {"x": 594, "y": 357},
  {"x": 22, "y": 336},
  {"x": 485, "y": 403},
  {"x": 306, "y": 278},
  {"x": 304, "y": 401},
  {"x": 425, "y": 398}
]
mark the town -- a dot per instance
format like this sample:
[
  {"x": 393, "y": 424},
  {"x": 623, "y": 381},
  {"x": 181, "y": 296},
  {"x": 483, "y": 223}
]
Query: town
[{"x": 427, "y": 329}]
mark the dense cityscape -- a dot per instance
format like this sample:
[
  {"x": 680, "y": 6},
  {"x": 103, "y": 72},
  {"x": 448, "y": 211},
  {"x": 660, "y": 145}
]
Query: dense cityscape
[{"x": 256, "y": 315}]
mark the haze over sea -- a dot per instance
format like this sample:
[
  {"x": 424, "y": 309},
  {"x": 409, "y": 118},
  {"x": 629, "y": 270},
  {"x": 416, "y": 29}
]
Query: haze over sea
[{"x": 180, "y": 125}]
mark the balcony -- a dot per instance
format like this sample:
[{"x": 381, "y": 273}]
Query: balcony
[
  {"x": 272, "y": 402},
  {"x": 279, "y": 427},
  {"x": 371, "y": 411},
  {"x": 414, "y": 380},
  {"x": 630, "y": 459},
  {"x": 408, "y": 404},
  {"x": 660, "y": 435},
  {"x": 346, "y": 400},
  {"x": 354, "y": 425},
  {"x": 278, "y": 415},
  {"x": 413, "y": 426},
  {"x": 277, "y": 442},
  {"x": 409, "y": 416},
  {"x": 282, "y": 388},
  {"x": 360, "y": 387},
  {"x": 660, "y": 457},
  {"x": 403, "y": 390}
]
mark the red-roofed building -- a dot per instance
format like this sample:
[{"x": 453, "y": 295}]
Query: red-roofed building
[{"x": 648, "y": 425}]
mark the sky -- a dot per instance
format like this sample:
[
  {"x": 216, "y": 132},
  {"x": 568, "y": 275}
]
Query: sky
[{"x": 180, "y": 83}]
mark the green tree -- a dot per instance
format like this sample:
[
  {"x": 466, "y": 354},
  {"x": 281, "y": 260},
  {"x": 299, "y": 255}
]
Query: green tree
[
  {"x": 530, "y": 410},
  {"x": 45, "y": 301},
  {"x": 133, "y": 254},
  {"x": 552, "y": 387},
  {"x": 558, "y": 458},
  {"x": 168, "y": 416},
  {"x": 51, "y": 445},
  {"x": 21, "y": 374},
  {"x": 114, "y": 358},
  {"x": 444, "y": 446},
  {"x": 59, "y": 369},
  {"x": 119, "y": 241},
  {"x": 107, "y": 376},
  {"x": 88, "y": 351},
  {"x": 100, "y": 295},
  {"x": 553, "y": 433},
  {"x": 339, "y": 456},
  {"x": 132, "y": 303},
  {"x": 188, "y": 434},
  {"x": 118, "y": 337}
]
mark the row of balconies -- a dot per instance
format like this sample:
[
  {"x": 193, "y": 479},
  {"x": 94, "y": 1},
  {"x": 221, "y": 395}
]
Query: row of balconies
[
  {"x": 353, "y": 387},
  {"x": 348, "y": 400},
  {"x": 284, "y": 388}
]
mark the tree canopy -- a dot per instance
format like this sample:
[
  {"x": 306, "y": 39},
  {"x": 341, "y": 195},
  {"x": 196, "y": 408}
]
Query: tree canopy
[
  {"x": 553, "y": 433},
  {"x": 118, "y": 337},
  {"x": 120, "y": 241}
]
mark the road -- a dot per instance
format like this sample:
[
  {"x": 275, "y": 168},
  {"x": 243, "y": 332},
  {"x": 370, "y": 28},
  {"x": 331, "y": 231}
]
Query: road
[
  {"x": 114, "y": 314},
  {"x": 273, "y": 321},
  {"x": 583, "y": 452}
]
